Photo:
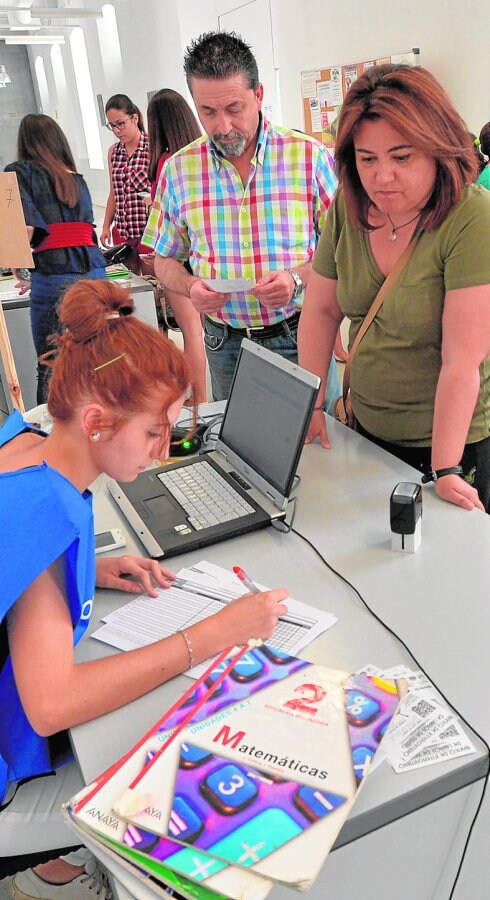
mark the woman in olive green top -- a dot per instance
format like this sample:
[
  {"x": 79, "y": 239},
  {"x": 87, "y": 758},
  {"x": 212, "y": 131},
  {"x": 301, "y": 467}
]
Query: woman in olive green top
[{"x": 420, "y": 380}]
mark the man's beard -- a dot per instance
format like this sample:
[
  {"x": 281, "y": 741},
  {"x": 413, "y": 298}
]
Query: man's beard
[{"x": 229, "y": 151}]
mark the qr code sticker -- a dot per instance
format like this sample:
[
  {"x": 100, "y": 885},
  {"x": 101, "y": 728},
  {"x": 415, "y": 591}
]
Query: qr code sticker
[
  {"x": 422, "y": 708},
  {"x": 452, "y": 731}
]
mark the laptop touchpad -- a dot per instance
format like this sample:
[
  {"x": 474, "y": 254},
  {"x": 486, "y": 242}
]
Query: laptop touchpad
[{"x": 163, "y": 508}]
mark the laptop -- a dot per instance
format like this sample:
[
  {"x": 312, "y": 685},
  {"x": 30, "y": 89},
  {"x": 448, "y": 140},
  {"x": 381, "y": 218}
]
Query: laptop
[{"x": 255, "y": 460}]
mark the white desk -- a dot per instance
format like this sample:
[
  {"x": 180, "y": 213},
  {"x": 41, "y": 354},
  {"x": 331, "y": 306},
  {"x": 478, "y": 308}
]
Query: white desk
[{"x": 436, "y": 600}]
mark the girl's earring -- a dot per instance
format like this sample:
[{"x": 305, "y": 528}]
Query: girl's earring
[{"x": 95, "y": 436}]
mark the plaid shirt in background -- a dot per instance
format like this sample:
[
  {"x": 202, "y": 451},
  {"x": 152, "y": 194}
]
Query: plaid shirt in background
[
  {"x": 130, "y": 175},
  {"x": 203, "y": 213}
]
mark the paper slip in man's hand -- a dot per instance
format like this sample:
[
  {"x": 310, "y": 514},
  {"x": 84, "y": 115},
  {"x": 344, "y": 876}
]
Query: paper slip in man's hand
[{"x": 228, "y": 285}]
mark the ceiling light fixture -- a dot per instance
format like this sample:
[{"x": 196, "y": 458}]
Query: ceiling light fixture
[
  {"x": 48, "y": 12},
  {"x": 33, "y": 39}
]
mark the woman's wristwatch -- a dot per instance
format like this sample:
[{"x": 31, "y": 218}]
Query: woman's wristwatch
[{"x": 435, "y": 474}]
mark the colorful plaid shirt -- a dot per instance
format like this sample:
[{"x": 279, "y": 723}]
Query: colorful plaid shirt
[{"x": 203, "y": 213}]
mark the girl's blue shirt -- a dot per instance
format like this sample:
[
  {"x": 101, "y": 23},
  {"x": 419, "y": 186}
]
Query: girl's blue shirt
[{"x": 43, "y": 518}]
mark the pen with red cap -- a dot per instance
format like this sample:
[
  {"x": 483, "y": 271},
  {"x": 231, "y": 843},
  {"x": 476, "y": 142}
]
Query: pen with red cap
[{"x": 246, "y": 580}]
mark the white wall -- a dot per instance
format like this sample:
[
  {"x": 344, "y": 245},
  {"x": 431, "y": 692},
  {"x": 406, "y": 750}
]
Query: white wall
[{"x": 452, "y": 37}]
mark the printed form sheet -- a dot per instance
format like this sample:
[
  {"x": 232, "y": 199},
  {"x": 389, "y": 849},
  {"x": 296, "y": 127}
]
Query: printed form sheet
[{"x": 197, "y": 593}]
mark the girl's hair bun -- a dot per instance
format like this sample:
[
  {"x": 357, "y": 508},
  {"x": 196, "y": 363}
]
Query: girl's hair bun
[
  {"x": 108, "y": 356},
  {"x": 89, "y": 307}
]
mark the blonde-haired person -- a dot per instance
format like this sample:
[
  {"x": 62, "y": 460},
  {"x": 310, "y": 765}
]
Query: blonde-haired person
[
  {"x": 116, "y": 391},
  {"x": 420, "y": 380}
]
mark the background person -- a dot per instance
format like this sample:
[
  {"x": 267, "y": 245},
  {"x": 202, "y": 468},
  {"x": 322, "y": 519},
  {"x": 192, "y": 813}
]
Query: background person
[
  {"x": 484, "y": 146},
  {"x": 59, "y": 218},
  {"x": 246, "y": 201},
  {"x": 420, "y": 377},
  {"x": 172, "y": 125},
  {"x": 117, "y": 388},
  {"x": 128, "y": 160}
]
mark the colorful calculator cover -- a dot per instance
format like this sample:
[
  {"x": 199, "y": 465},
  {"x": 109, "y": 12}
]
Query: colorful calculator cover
[{"x": 264, "y": 776}]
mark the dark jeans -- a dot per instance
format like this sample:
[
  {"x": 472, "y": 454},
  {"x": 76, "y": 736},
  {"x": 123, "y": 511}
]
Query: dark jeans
[
  {"x": 475, "y": 461},
  {"x": 222, "y": 346},
  {"x": 46, "y": 292}
]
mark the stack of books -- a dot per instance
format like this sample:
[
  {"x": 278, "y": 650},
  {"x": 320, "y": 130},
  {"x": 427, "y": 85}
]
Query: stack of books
[{"x": 246, "y": 781}]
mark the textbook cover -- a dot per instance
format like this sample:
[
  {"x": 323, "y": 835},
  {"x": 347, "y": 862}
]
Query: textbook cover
[
  {"x": 264, "y": 775},
  {"x": 253, "y": 787},
  {"x": 92, "y": 809}
]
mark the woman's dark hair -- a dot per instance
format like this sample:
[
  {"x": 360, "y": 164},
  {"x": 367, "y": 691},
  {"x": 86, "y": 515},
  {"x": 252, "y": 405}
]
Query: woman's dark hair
[
  {"x": 122, "y": 103},
  {"x": 41, "y": 140},
  {"x": 171, "y": 125},
  {"x": 107, "y": 355},
  {"x": 485, "y": 140},
  {"x": 220, "y": 54},
  {"x": 413, "y": 102}
]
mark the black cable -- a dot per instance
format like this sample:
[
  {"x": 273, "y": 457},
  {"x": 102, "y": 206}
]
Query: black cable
[{"x": 414, "y": 658}]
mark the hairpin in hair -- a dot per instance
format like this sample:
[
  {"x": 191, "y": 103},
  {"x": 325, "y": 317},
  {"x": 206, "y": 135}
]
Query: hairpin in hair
[
  {"x": 477, "y": 142},
  {"x": 109, "y": 362}
]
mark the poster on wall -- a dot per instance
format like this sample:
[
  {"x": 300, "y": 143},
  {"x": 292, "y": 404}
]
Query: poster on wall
[{"x": 323, "y": 92}]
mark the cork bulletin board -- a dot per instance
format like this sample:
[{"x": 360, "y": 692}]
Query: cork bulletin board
[{"x": 323, "y": 91}]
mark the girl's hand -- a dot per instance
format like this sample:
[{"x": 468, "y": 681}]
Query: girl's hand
[
  {"x": 318, "y": 428},
  {"x": 105, "y": 238},
  {"x": 251, "y": 616},
  {"x": 21, "y": 285},
  {"x": 111, "y": 572}
]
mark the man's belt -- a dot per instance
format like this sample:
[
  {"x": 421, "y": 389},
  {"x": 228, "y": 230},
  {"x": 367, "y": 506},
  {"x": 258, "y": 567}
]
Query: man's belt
[{"x": 260, "y": 331}]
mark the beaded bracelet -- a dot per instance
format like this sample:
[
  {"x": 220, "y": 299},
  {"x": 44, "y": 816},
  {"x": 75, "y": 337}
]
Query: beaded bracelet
[{"x": 189, "y": 647}]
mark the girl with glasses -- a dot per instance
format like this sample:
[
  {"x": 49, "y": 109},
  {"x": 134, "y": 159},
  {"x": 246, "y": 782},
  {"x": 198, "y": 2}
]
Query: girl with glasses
[{"x": 128, "y": 161}]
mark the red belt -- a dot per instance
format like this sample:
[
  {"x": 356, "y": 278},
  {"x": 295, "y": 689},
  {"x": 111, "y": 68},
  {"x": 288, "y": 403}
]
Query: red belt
[{"x": 67, "y": 234}]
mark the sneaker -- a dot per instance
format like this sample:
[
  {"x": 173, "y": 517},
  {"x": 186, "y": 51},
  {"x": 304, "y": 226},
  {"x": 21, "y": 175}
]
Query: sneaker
[{"x": 28, "y": 886}]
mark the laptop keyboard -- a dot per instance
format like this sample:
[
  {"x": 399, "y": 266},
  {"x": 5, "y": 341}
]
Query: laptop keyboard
[{"x": 204, "y": 495}]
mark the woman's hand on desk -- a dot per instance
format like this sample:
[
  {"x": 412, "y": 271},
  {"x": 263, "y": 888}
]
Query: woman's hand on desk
[
  {"x": 456, "y": 490},
  {"x": 318, "y": 428},
  {"x": 111, "y": 572}
]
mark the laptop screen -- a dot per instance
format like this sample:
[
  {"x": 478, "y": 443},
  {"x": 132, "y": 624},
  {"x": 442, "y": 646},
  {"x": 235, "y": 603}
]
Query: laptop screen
[{"x": 268, "y": 413}]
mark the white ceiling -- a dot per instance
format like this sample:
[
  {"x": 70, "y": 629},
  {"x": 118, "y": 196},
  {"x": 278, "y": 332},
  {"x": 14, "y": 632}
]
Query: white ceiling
[{"x": 39, "y": 17}]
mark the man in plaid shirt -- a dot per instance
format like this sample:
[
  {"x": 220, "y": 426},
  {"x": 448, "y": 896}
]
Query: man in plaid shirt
[{"x": 246, "y": 200}]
